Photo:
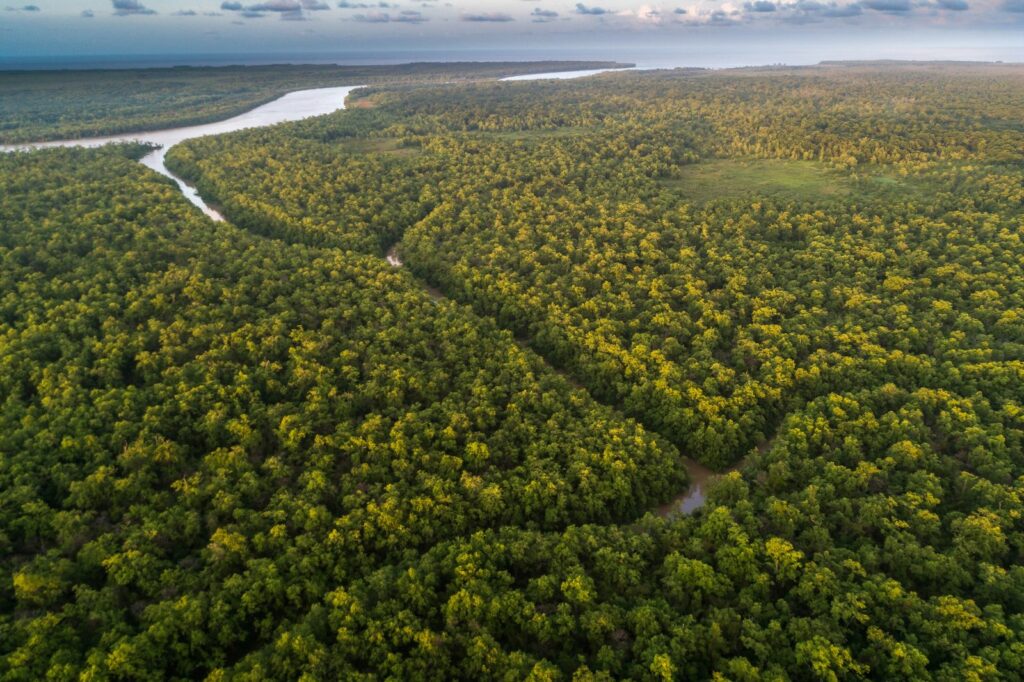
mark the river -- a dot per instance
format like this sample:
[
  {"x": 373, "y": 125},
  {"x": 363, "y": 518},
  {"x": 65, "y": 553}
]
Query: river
[
  {"x": 303, "y": 104},
  {"x": 291, "y": 107},
  {"x": 560, "y": 75},
  {"x": 691, "y": 499}
]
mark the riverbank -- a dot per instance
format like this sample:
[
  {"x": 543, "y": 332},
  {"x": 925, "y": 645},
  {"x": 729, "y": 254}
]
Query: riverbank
[
  {"x": 293, "y": 106},
  {"x": 61, "y": 104},
  {"x": 304, "y": 104}
]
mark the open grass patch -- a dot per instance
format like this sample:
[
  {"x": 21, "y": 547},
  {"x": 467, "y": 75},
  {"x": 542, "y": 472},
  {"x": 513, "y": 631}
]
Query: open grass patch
[
  {"x": 389, "y": 146},
  {"x": 802, "y": 181},
  {"x": 734, "y": 178}
]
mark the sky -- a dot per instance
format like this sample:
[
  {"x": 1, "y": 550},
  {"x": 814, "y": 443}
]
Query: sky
[{"x": 684, "y": 33}]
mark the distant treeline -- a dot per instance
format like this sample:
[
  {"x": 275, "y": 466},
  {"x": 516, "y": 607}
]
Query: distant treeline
[{"x": 53, "y": 105}]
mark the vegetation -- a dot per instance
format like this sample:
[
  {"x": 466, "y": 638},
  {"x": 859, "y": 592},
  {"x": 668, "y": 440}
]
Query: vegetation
[
  {"x": 54, "y": 105},
  {"x": 738, "y": 178},
  {"x": 256, "y": 451},
  {"x": 708, "y": 321},
  {"x": 201, "y": 424}
]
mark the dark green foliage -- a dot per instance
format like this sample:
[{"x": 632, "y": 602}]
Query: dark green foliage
[
  {"x": 707, "y": 321},
  {"x": 53, "y": 105},
  {"x": 263, "y": 453},
  {"x": 203, "y": 431}
]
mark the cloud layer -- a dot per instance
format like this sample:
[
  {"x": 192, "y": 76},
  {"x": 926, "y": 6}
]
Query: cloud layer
[
  {"x": 582, "y": 17},
  {"x": 124, "y": 8}
]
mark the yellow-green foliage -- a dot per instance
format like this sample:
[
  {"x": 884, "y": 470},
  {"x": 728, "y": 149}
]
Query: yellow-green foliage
[{"x": 258, "y": 452}]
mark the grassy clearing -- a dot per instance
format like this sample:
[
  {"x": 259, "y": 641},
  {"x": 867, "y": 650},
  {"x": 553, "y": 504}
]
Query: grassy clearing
[
  {"x": 733, "y": 178},
  {"x": 796, "y": 180},
  {"x": 377, "y": 145}
]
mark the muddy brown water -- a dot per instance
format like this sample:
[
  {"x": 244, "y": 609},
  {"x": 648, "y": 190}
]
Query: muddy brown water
[{"x": 693, "y": 498}]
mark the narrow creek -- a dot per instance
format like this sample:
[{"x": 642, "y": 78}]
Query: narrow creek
[
  {"x": 302, "y": 104},
  {"x": 395, "y": 260},
  {"x": 693, "y": 498},
  {"x": 699, "y": 476}
]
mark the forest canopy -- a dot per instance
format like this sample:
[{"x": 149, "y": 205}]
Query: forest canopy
[
  {"x": 53, "y": 105},
  {"x": 255, "y": 449}
]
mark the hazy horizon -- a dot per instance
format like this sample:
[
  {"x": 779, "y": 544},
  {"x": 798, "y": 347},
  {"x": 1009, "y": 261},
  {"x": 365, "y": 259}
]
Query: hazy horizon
[
  {"x": 721, "y": 56},
  {"x": 69, "y": 33}
]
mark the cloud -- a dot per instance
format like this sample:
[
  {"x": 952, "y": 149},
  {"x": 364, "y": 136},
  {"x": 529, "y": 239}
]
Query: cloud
[
  {"x": 87, "y": 14},
  {"x": 760, "y": 6},
  {"x": 410, "y": 16},
  {"x": 890, "y": 6},
  {"x": 679, "y": 10},
  {"x": 541, "y": 16},
  {"x": 497, "y": 17},
  {"x": 124, "y": 8},
  {"x": 842, "y": 11},
  {"x": 646, "y": 13},
  {"x": 591, "y": 11},
  {"x": 276, "y": 6},
  {"x": 184, "y": 13},
  {"x": 721, "y": 17},
  {"x": 1013, "y": 6},
  {"x": 404, "y": 17},
  {"x": 953, "y": 5},
  {"x": 287, "y": 10}
]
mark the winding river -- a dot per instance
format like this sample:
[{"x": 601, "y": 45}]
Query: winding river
[
  {"x": 303, "y": 104},
  {"x": 291, "y": 107}
]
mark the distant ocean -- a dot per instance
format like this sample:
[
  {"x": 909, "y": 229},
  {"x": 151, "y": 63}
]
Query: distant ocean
[{"x": 721, "y": 53}]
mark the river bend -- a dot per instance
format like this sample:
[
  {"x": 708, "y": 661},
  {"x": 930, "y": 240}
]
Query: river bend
[
  {"x": 291, "y": 107},
  {"x": 295, "y": 106}
]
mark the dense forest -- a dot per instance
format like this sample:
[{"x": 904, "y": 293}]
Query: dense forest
[
  {"x": 54, "y": 105},
  {"x": 255, "y": 450},
  {"x": 198, "y": 419}
]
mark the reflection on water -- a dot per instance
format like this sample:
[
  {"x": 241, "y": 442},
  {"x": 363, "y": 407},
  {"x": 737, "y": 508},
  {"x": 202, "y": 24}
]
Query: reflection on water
[
  {"x": 559, "y": 75},
  {"x": 693, "y": 497},
  {"x": 291, "y": 107},
  {"x": 392, "y": 257}
]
